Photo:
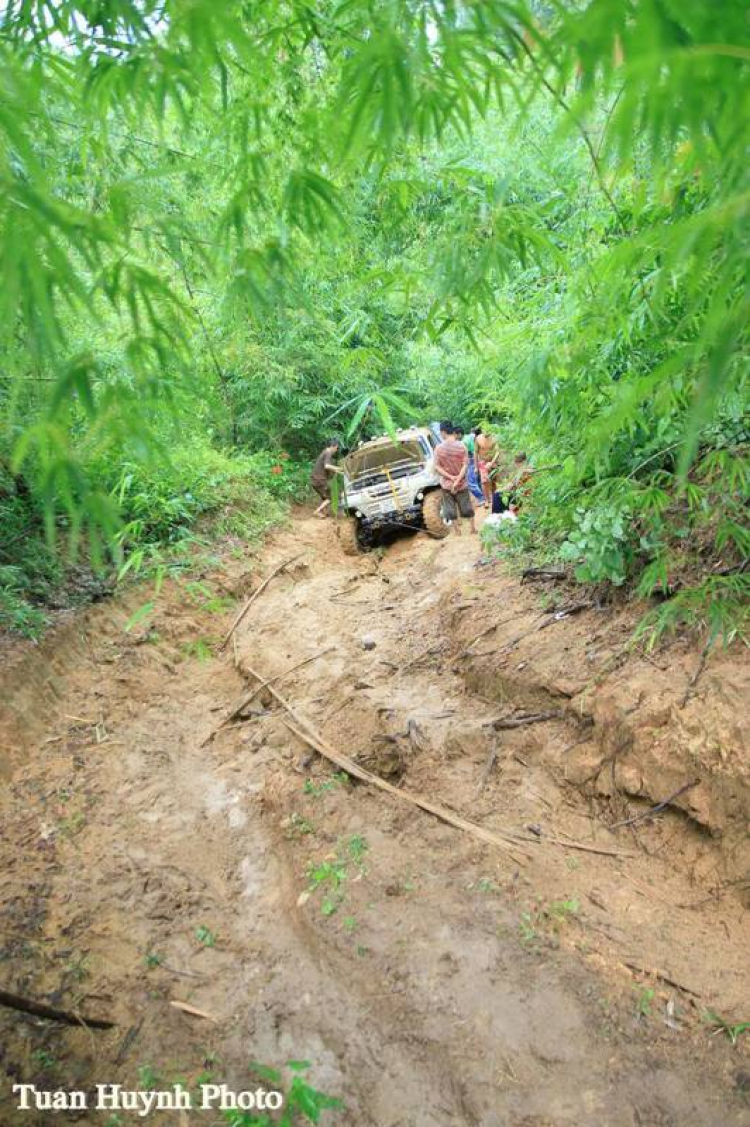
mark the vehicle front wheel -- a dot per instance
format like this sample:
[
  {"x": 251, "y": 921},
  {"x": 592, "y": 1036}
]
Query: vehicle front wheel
[
  {"x": 432, "y": 514},
  {"x": 348, "y": 536}
]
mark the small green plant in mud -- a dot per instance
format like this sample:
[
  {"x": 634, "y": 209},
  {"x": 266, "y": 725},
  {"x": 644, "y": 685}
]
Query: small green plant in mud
[
  {"x": 546, "y": 918},
  {"x": 206, "y": 599},
  {"x": 148, "y": 1077},
  {"x": 297, "y": 827},
  {"x": 331, "y": 874},
  {"x": 45, "y": 1059},
  {"x": 527, "y": 929},
  {"x": 200, "y": 648},
  {"x": 721, "y": 1025},
  {"x": 140, "y": 615},
  {"x": 70, "y": 827},
  {"x": 153, "y": 960},
  {"x": 205, "y": 936},
  {"x": 357, "y": 847},
  {"x": 302, "y": 1103},
  {"x": 560, "y": 910},
  {"x": 484, "y": 885},
  {"x": 350, "y": 923},
  {"x": 645, "y": 1001},
  {"x": 77, "y": 967},
  {"x": 340, "y": 778}
]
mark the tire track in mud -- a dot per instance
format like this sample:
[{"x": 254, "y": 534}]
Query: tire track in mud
[{"x": 441, "y": 988}]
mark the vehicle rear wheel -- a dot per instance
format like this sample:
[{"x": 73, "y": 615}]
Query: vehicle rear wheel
[
  {"x": 432, "y": 514},
  {"x": 348, "y": 536}
]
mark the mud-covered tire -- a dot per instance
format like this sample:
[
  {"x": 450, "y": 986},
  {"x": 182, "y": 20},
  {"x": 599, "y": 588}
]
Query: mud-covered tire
[
  {"x": 432, "y": 514},
  {"x": 348, "y": 536}
]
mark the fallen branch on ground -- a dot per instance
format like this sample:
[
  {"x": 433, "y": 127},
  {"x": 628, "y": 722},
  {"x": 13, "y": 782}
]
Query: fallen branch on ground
[
  {"x": 557, "y": 616},
  {"x": 127, "y": 1042},
  {"x": 440, "y": 812},
  {"x": 580, "y": 845},
  {"x": 254, "y": 596},
  {"x": 542, "y": 573},
  {"x": 654, "y": 809},
  {"x": 40, "y": 1009},
  {"x": 193, "y": 1011},
  {"x": 305, "y": 731},
  {"x": 491, "y": 758},
  {"x": 424, "y": 653},
  {"x": 250, "y": 697},
  {"x": 661, "y": 976},
  {"x": 519, "y": 721},
  {"x": 565, "y": 612},
  {"x": 698, "y": 670},
  {"x": 483, "y": 633}
]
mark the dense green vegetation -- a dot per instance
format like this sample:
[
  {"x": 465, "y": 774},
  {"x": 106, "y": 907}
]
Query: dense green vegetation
[{"x": 227, "y": 229}]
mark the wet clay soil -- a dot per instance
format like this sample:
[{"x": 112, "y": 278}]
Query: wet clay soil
[{"x": 429, "y": 978}]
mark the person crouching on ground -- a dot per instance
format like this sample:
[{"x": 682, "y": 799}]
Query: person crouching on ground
[
  {"x": 452, "y": 464},
  {"x": 323, "y": 471}
]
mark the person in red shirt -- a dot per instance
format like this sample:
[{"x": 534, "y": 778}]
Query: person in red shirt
[{"x": 452, "y": 464}]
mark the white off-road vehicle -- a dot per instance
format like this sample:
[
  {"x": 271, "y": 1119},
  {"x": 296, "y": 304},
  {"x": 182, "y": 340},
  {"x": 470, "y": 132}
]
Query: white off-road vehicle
[{"x": 390, "y": 483}]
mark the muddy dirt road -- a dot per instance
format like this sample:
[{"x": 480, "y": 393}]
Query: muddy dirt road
[{"x": 429, "y": 978}]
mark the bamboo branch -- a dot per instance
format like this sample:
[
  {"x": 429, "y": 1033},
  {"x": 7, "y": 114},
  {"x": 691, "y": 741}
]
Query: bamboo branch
[
  {"x": 254, "y": 596},
  {"x": 440, "y": 812},
  {"x": 306, "y": 732},
  {"x": 249, "y": 697}
]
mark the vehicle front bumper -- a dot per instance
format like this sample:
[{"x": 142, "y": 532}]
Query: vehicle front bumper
[{"x": 411, "y": 515}]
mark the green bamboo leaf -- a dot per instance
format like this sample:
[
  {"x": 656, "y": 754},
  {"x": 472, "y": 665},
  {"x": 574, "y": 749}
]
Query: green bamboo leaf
[
  {"x": 383, "y": 410},
  {"x": 359, "y": 415}
]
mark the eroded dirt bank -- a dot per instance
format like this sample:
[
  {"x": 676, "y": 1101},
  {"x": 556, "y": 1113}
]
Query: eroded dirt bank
[{"x": 429, "y": 978}]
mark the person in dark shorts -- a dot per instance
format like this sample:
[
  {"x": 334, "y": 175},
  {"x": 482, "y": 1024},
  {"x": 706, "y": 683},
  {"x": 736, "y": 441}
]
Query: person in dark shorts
[
  {"x": 322, "y": 472},
  {"x": 452, "y": 464}
]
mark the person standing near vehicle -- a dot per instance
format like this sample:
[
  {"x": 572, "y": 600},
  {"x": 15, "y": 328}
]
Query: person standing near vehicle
[
  {"x": 322, "y": 472},
  {"x": 485, "y": 458},
  {"x": 472, "y": 477},
  {"x": 452, "y": 463}
]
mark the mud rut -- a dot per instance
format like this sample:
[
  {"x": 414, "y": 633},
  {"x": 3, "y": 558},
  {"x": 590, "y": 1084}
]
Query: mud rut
[{"x": 441, "y": 982}]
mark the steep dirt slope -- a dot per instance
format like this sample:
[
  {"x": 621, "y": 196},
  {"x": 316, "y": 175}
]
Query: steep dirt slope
[{"x": 428, "y": 977}]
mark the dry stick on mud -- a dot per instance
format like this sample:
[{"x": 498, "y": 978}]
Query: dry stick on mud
[
  {"x": 423, "y": 654},
  {"x": 40, "y": 1009},
  {"x": 308, "y": 734},
  {"x": 193, "y": 1011},
  {"x": 654, "y": 809},
  {"x": 491, "y": 758},
  {"x": 661, "y": 976},
  {"x": 127, "y": 1042},
  {"x": 542, "y": 573},
  {"x": 445, "y": 815},
  {"x": 557, "y": 616},
  {"x": 519, "y": 721},
  {"x": 254, "y": 596},
  {"x": 698, "y": 670},
  {"x": 250, "y": 697},
  {"x": 584, "y": 848},
  {"x": 483, "y": 634}
]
